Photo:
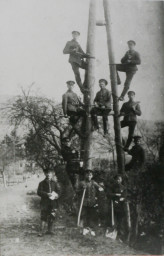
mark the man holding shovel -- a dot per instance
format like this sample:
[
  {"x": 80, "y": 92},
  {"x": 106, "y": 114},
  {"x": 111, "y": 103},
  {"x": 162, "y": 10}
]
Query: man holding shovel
[
  {"x": 87, "y": 191},
  {"x": 117, "y": 195}
]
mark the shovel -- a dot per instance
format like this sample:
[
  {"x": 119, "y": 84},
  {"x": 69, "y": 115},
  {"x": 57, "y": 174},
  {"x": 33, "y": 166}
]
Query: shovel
[
  {"x": 113, "y": 234},
  {"x": 81, "y": 206}
]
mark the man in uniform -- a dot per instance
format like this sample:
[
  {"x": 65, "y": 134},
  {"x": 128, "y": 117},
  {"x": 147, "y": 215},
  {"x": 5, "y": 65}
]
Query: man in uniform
[
  {"x": 138, "y": 155},
  {"x": 129, "y": 66},
  {"x": 76, "y": 58},
  {"x": 71, "y": 156},
  {"x": 49, "y": 190},
  {"x": 130, "y": 110},
  {"x": 92, "y": 189},
  {"x": 117, "y": 193},
  {"x": 102, "y": 106},
  {"x": 71, "y": 104}
]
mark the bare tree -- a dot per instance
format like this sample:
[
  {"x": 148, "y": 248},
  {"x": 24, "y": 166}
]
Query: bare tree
[
  {"x": 42, "y": 120},
  {"x": 152, "y": 135}
]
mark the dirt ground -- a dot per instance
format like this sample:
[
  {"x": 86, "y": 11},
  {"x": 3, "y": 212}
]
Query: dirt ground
[{"x": 19, "y": 225}]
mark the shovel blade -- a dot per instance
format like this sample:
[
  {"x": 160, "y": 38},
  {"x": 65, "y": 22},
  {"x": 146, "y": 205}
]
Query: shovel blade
[{"x": 112, "y": 235}]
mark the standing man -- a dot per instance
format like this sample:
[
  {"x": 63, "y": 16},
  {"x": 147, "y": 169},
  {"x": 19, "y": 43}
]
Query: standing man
[
  {"x": 76, "y": 58},
  {"x": 49, "y": 190},
  {"x": 71, "y": 104},
  {"x": 138, "y": 155},
  {"x": 129, "y": 66},
  {"x": 117, "y": 193},
  {"x": 103, "y": 106},
  {"x": 130, "y": 110},
  {"x": 90, "y": 200}
]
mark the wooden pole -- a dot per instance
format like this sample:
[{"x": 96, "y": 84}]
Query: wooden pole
[
  {"x": 90, "y": 81},
  {"x": 117, "y": 128}
]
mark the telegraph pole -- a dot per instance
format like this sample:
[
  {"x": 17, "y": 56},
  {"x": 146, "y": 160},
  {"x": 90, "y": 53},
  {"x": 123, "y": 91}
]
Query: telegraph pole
[
  {"x": 90, "y": 81},
  {"x": 117, "y": 128}
]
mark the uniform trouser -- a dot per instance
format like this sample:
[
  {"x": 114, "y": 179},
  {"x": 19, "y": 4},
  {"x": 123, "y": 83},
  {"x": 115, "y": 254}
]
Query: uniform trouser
[
  {"x": 129, "y": 77},
  {"x": 131, "y": 125},
  {"x": 75, "y": 115},
  {"x": 119, "y": 215},
  {"x": 133, "y": 166},
  {"x": 75, "y": 68},
  {"x": 73, "y": 177},
  {"x": 88, "y": 216},
  {"x": 96, "y": 111},
  {"x": 72, "y": 169}
]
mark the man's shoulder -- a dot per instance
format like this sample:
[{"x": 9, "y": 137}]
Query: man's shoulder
[
  {"x": 98, "y": 93},
  {"x": 55, "y": 182},
  {"x": 69, "y": 94},
  {"x": 70, "y": 42},
  {"x": 65, "y": 94},
  {"x": 141, "y": 148},
  {"x": 135, "y": 53},
  {"x": 42, "y": 182},
  {"x": 128, "y": 103},
  {"x": 136, "y": 102},
  {"x": 125, "y": 103},
  {"x": 94, "y": 183},
  {"x": 107, "y": 91},
  {"x": 83, "y": 183}
]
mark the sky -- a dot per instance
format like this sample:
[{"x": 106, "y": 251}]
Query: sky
[{"x": 33, "y": 34}]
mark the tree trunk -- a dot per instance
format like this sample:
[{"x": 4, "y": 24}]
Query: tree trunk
[{"x": 4, "y": 178}]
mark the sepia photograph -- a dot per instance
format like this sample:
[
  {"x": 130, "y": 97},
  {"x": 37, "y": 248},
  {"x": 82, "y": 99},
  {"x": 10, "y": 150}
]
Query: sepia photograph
[{"x": 81, "y": 127}]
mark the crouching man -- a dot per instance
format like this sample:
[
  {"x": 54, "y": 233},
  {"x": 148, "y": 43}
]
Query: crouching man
[{"x": 49, "y": 191}]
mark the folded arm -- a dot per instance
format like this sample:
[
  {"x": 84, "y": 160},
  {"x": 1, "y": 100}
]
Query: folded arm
[{"x": 137, "y": 110}]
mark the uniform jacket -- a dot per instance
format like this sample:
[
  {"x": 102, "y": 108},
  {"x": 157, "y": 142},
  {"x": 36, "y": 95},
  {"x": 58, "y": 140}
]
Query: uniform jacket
[
  {"x": 69, "y": 154},
  {"x": 138, "y": 156},
  {"x": 135, "y": 60},
  {"x": 75, "y": 57},
  {"x": 129, "y": 113},
  {"x": 70, "y": 102},
  {"x": 45, "y": 187},
  {"x": 90, "y": 194},
  {"x": 116, "y": 189},
  {"x": 103, "y": 98}
]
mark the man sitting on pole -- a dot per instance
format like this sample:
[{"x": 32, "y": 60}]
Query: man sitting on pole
[
  {"x": 130, "y": 110},
  {"x": 102, "y": 106},
  {"x": 129, "y": 66},
  {"x": 76, "y": 58},
  {"x": 72, "y": 106}
]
